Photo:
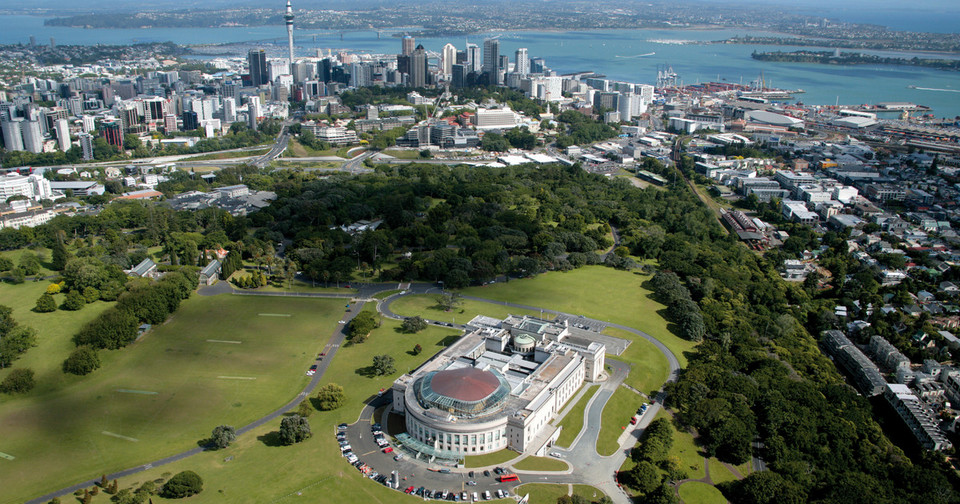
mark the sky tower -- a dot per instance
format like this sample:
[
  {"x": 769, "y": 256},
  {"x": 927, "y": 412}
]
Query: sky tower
[{"x": 288, "y": 17}]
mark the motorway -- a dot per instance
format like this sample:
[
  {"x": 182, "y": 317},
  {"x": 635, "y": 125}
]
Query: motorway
[{"x": 590, "y": 467}]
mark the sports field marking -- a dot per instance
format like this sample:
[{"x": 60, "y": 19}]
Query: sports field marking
[
  {"x": 224, "y": 341},
  {"x": 237, "y": 377},
  {"x": 7, "y": 456},
  {"x": 112, "y": 434},
  {"x": 274, "y": 314},
  {"x": 129, "y": 391}
]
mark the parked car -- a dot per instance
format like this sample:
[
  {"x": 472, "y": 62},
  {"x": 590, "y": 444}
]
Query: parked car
[
  {"x": 486, "y": 495},
  {"x": 388, "y": 449},
  {"x": 408, "y": 490},
  {"x": 555, "y": 454},
  {"x": 475, "y": 497},
  {"x": 398, "y": 457},
  {"x": 342, "y": 426},
  {"x": 486, "y": 473}
]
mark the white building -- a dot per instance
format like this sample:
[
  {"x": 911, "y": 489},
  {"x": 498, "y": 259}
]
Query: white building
[
  {"x": 448, "y": 58},
  {"x": 34, "y": 186},
  {"x": 62, "y": 128},
  {"x": 32, "y": 136},
  {"x": 502, "y": 118},
  {"x": 12, "y": 134},
  {"x": 496, "y": 387}
]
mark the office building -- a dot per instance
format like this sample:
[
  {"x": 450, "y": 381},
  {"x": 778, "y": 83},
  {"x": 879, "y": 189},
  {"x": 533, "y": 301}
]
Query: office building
[
  {"x": 229, "y": 110},
  {"x": 253, "y": 111},
  {"x": 491, "y": 60},
  {"x": 89, "y": 123},
  {"x": 537, "y": 65},
  {"x": 407, "y": 45},
  {"x": 86, "y": 146},
  {"x": 448, "y": 59},
  {"x": 418, "y": 67},
  {"x": 458, "y": 76},
  {"x": 257, "y": 61},
  {"x": 32, "y": 136},
  {"x": 112, "y": 133},
  {"x": 474, "y": 61},
  {"x": 62, "y": 128},
  {"x": 522, "y": 62},
  {"x": 12, "y": 134}
]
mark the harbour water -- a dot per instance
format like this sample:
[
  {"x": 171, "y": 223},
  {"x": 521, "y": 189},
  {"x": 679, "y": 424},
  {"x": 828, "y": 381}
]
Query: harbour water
[{"x": 632, "y": 55}]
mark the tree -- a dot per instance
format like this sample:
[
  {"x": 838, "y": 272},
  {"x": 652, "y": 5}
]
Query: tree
[
  {"x": 414, "y": 324},
  {"x": 417, "y": 349},
  {"x": 222, "y": 436},
  {"x": 383, "y": 365},
  {"x": 294, "y": 429},
  {"x": 182, "y": 484},
  {"x": 15, "y": 342},
  {"x": 361, "y": 325},
  {"x": 74, "y": 301},
  {"x": 304, "y": 409},
  {"x": 45, "y": 303},
  {"x": 330, "y": 397},
  {"x": 645, "y": 476},
  {"x": 29, "y": 263},
  {"x": 111, "y": 330},
  {"x": 449, "y": 300},
  {"x": 19, "y": 381},
  {"x": 60, "y": 255},
  {"x": 83, "y": 360}
]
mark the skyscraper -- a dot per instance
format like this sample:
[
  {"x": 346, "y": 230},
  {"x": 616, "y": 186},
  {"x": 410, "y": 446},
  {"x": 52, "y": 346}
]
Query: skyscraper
[
  {"x": 12, "y": 134},
  {"x": 253, "y": 111},
  {"x": 473, "y": 58},
  {"x": 112, "y": 133},
  {"x": 418, "y": 67},
  {"x": 62, "y": 127},
  {"x": 288, "y": 17},
  {"x": 458, "y": 76},
  {"x": 522, "y": 63},
  {"x": 86, "y": 146},
  {"x": 407, "y": 45},
  {"x": 491, "y": 56},
  {"x": 257, "y": 61},
  {"x": 449, "y": 58},
  {"x": 32, "y": 137}
]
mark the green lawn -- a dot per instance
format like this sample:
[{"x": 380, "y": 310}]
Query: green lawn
[
  {"x": 161, "y": 394},
  {"x": 596, "y": 291},
  {"x": 54, "y": 331},
  {"x": 719, "y": 472},
  {"x": 312, "y": 471},
  {"x": 687, "y": 451},
  {"x": 616, "y": 415},
  {"x": 542, "y": 493},
  {"x": 490, "y": 459},
  {"x": 541, "y": 464},
  {"x": 425, "y": 305},
  {"x": 649, "y": 368},
  {"x": 42, "y": 252},
  {"x": 572, "y": 423},
  {"x": 695, "y": 492}
]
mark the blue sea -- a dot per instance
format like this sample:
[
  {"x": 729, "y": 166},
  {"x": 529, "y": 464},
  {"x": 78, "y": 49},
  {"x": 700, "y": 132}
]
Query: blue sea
[{"x": 632, "y": 55}]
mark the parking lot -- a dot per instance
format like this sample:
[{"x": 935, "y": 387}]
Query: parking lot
[{"x": 426, "y": 481}]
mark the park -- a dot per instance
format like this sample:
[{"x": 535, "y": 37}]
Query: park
[{"x": 230, "y": 359}]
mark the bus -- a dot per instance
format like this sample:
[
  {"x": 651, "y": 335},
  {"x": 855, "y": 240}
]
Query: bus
[{"x": 508, "y": 477}]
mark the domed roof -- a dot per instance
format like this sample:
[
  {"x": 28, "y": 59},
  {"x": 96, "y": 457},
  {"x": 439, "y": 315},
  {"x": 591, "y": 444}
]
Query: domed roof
[
  {"x": 523, "y": 339},
  {"x": 465, "y": 384}
]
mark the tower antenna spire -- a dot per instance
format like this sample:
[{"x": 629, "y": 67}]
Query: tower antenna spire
[{"x": 288, "y": 17}]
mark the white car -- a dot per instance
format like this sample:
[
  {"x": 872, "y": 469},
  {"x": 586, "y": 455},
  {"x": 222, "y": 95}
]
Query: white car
[
  {"x": 486, "y": 495},
  {"x": 398, "y": 457},
  {"x": 555, "y": 454},
  {"x": 500, "y": 494}
]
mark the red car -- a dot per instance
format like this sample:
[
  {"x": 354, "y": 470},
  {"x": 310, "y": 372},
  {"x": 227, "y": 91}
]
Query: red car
[
  {"x": 388, "y": 449},
  {"x": 408, "y": 490}
]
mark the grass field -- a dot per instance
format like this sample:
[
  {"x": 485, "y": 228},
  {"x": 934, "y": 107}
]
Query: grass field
[
  {"x": 719, "y": 473},
  {"x": 695, "y": 492},
  {"x": 490, "y": 459},
  {"x": 542, "y": 493},
  {"x": 425, "y": 305},
  {"x": 312, "y": 471},
  {"x": 687, "y": 451},
  {"x": 163, "y": 394},
  {"x": 572, "y": 423},
  {"x": 296, "y": 149},
  {"x": 54, "y": 331},
  {"x": 649, "y": 368},
  {"x": 541, "y": 464},
  {"x": 42, "y": 252},
  {"x": 616, "y": 414},
  {"x": 596, "y": 291}
]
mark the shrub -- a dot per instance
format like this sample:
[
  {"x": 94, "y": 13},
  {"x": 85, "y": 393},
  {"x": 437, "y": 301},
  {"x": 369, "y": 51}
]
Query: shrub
[
  {"x": 222, "y": 436},
  {"x": 182, "y": 484},
  {"x": 294, "y": 429},
  {"x": 45, "y": 303},
  {"x": 74, "y": 301},
  {"x": 330, "y": 397},
  {"x": 53, "y": 288},
  {"x": 19, "y": 380},
  {"x": 82, "y": 361}
]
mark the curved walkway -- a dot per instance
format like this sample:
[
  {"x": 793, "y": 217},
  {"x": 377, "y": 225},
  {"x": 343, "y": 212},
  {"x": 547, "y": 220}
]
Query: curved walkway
[{"x": 591, "y": 467}]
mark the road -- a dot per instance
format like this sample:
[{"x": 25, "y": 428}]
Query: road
[
  {"x": 278, "y": 147},
  {"x": 591, "y": 468}
]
